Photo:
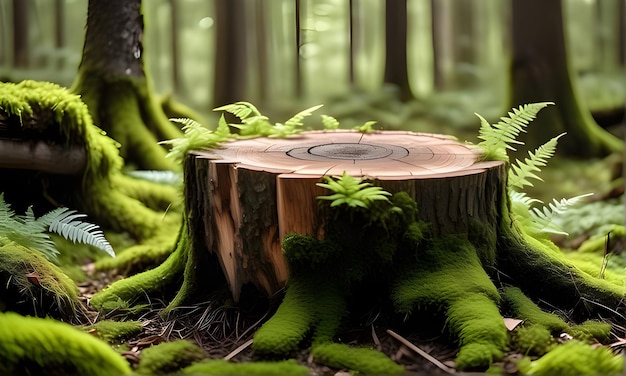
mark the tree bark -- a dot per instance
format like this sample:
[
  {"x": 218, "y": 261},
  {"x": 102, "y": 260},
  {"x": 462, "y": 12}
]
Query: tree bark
[
  {"x": 396, "y": 63},
  {"x": 230, "y": 51},
  {"x": 113, "y": 83},
  {"x": 541, "y": 72},
  {"x": 263, "y": 189}
]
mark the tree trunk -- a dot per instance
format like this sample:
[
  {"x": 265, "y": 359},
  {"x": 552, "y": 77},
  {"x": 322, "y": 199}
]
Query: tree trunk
[
  {"x": 113, "y": 83},
  {"x": 231, "y": 52},
  {"x": 541, "y": 72},
  {"x": 396, "y": 63},
  {"x": 263, "y": 189}
]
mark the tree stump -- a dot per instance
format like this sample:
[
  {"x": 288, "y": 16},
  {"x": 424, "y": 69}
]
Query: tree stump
[{"x": 264, "y": 188}]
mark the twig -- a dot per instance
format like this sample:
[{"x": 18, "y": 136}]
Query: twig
[
  {"x": 421, "y": 352},
  {"x": 238, "y": 350}
]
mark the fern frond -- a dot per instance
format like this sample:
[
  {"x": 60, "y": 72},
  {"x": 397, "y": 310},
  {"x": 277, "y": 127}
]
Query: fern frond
[
  {"x": 296, "y": 120},
  {"x": 499, "y": 137},
  {"x": 539, "y": 221},
  {"x": 196, "y": 137},
  {"x": 242, "y": 110},
  {"x": 329, "y": 122},
  {"x": 66, "y": 223},
  {"x": 520, "y": 172},
  {"x": 366, "y": 127}
]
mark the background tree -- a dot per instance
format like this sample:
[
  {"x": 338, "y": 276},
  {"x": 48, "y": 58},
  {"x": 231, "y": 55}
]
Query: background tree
[
  {"x": 112, "y": 81},
  {"x": 396, "y": 64},
  {"x": 541, "y": 71}
]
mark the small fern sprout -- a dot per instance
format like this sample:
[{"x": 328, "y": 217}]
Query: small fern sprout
[
  {"x": 196, "y": 137},
  {"x": 352, "y": 192},
  {"x": 329, "y": 122},
  {"x": 367, "y": 127},
  {"x": 255, "y": 124}
]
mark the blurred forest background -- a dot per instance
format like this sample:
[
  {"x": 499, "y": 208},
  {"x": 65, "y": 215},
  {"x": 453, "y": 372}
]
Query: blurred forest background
[{"x": 285, "y": 55}]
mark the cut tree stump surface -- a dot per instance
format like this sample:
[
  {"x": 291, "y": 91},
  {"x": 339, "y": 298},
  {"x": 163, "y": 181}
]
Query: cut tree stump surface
[{"x": 257, "y": 190}]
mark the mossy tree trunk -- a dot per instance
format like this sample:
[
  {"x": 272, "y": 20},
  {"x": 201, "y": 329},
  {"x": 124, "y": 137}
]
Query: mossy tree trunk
[
  {"x": 112, "y": 81},
  {"x": 541, "y": 72}
]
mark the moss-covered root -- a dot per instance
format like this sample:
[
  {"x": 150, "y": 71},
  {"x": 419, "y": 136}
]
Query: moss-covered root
[
  {"x": 169, "y": 357},
  {"x": 114, "y": 331},
  {"x": 448, "y": 275},
  {"x": 573, "y": 359},
  {"x": 538, "y": 267},
  {"x": 158, "y": 281},
  {"x": 32, "y": 285},
  {"x": 36, "y": 346},
  {"x": 223, "y": 367},
  {"x": 358, "y": 360},
  {"x": 521, "y": 307},
  {"x": 310, "y": 303}
]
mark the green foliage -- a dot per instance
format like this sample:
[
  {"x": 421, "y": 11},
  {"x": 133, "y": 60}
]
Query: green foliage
[
  {"x": 329, "y": 122},
  {"x": 196, "y": 137},
  {"x": 30, "y": 232},
  {"x": 499, "y": 137},
  {"x": 45, "y": 346},
  {"x": 169, "y": 357},
  {"x": 520, "y": 171},
  {"x": 574, "y": 358},
  {"x": 158, "y": 176},
  {"x": 366, "y": 128},
  {"x": 352, "y": 191},
  {"x": 254, "y": 124},
  {"x": 221, "y": 367},
  {"x": 540, "y": 221}
]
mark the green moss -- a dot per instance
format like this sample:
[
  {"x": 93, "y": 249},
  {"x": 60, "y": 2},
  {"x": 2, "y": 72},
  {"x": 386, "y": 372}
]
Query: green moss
[
  {"x": 591, "y": 331},
  {"x": 311, "y": 306},
  {"x": 448, "y": 276},
  {"x": 222, "y": 367},
  {"x": 114, "y": 331},
  {"x": 157, "y": 281},
  {"x": 574, "y": 358},
  {"x": 533, "y": 339},
  {"x": 32, "y": 285},
  {"x": 140, "y": 257},
  {"x": 44, "y": 346},
  {"x": 359, "y": 360},
  {"x": 169, "y": 357},
  {"x": 523, "y": 308}
]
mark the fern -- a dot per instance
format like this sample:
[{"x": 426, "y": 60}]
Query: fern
[
  {"x": 541, "y": 221},
  {"x": 31, "y": 232},
  {"x": 520, "y": 172},
  {"x": 497, "y": 138},
  {"x": 240, "y": 109},
  {"x": 329, "y": 122},
  {"x": 351, "y": 191},
  {"x": 196, "y": 137},
  {"x": 157, "y": 176},
  {"x": 254, "y": 124},
  {"x": 366, "y": 127}
]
